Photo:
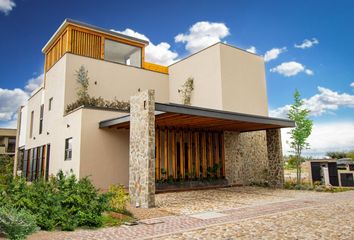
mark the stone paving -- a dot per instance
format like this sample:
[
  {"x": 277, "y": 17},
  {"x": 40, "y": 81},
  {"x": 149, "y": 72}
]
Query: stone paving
[{"x": 244, "y": 213}]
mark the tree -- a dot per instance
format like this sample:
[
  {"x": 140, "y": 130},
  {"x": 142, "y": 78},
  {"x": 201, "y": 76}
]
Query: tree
[
  {"x": 302, "y": 130},
  {"x": 83, "y": 79}
]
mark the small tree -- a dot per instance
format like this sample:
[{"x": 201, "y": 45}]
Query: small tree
[
  {"x": 83, "y": 79},
  {"x": 302, "y": 130}
]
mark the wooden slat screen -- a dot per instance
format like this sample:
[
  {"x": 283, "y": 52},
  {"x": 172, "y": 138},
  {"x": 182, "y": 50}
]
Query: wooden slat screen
[
  {"x": 189, "y": 153},
  {"x": 85, "y": 44}
]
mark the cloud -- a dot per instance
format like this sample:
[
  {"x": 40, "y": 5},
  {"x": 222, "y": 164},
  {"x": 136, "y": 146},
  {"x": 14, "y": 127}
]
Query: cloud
[
  {"x": 289, "y": 69},
  {"x": 10, "y": 101},
  {"x": 307, "y": 43},
  {"x": 325, "y": 101},
  {"x": 6, "y": 6},
  {"x": 273, "y": 53},
  {"x": 159, "y": 54},
  {"x": 34, "y": 83},
  {"x": 252, "y": 49},
  {"x": 202, "y": 35},
  {"x": 352, "y": 84},
  {"x": 325, "y": 137}
]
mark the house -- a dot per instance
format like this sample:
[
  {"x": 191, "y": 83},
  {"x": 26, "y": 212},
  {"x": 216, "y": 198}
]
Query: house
[
  {"x": 335, "y": 172},
  {"x": 224, "y": 132},
  {"x": 7, "y": 141}
]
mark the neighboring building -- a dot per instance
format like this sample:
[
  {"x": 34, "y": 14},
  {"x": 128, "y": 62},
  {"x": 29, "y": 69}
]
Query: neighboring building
[
  {"x": 226, "y": 131},
  {"x": 7, "y": 141},
  {"x": 331, "y": 172}
]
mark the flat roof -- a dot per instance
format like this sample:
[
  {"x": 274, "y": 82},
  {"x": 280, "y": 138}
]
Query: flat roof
[
  {"x": 181, "y": 116},
  {"x": 86, "y": 25}
]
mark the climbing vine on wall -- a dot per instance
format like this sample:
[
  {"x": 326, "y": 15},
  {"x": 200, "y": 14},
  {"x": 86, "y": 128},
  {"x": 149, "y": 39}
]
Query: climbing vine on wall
[
  {"x": 84, "y": 98},
  {"x": 186, "y": 91}
]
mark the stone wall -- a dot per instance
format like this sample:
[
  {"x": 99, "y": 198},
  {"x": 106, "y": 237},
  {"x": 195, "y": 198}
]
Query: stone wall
[
  {"x": 142, "y": 149},
  {"x": 275, "y": 158},
  {"x": 246, "y": 157}
]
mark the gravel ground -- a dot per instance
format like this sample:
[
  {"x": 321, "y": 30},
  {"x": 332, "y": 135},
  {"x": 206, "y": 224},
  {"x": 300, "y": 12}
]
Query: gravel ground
[
  {"x": 329, "y": 221},
  {"x": 225, "y": 198}
]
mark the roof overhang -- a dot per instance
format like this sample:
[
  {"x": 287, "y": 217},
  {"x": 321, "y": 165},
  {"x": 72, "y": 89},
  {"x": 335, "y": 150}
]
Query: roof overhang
[
  {"x": 181, "y": 116},
  {"x": 91, "y": 27}
]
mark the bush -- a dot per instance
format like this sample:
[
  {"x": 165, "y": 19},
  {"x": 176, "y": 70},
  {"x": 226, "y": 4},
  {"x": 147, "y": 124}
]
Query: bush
[
  {"x": 6, "y": 170},
  {"x": 62, "y": 201},
  {"x": 119, "y": 198},
  {"x": 16, "y": 224}
]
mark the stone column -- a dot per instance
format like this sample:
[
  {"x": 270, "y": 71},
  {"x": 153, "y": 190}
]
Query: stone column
[
  {"x": 142, "y": 149},
  {"x": 275, "y": 158}
]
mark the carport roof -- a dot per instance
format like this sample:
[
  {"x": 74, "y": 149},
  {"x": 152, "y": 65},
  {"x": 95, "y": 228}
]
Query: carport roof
[{"x": 181, "y": 116}]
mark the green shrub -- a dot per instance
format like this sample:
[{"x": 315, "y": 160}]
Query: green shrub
[
  {"x": 16, "y": 224},
  {"x": 119, "y": 198},
  {"x": 6, "y": 170},
  {"x": 62, "y": 201}
]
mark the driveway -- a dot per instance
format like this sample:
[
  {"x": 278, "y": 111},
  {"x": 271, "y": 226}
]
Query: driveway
[{"x": 235, "y": 213}]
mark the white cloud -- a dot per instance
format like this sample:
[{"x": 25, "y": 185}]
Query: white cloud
[
  {"x": 289, "y": 69},
  {"x": 10, "y": 101},
  {"x": 352, "y": 84},
  {"x": 325, "y": 137},
  {"x": 325, "y": 101},
  {"x": 202, "y": 35},
  {"x": 34, "y": 83},
  {"x": 309, "y": 72},
  {"x": 6, "y": 6},
  {"x": 252, "y": 49},
  {"x": 159, "y": 54},
  {"x": 273, "y": 53},
  {"x": 307, "y": 43}
]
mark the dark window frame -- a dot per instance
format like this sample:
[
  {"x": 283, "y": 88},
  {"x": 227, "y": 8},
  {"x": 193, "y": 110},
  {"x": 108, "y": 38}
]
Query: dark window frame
[
  {"x": 41, "y": 113},
  {"x": 68, "y": 149},
  {"x": 50, "y": 102}
]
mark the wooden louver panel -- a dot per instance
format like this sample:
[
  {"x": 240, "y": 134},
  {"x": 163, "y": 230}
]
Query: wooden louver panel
[{"x": 86, "y": 44}]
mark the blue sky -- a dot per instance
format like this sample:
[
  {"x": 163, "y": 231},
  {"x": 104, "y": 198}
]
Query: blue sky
[{"x": 321, "y": 66}]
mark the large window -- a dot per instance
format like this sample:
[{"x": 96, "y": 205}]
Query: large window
[
  {"x": 68, "y": 148},
  {"x": 35, "y": 162},
  {"x": 122, "y": 53},
  {"x": 41, "y": 119}
]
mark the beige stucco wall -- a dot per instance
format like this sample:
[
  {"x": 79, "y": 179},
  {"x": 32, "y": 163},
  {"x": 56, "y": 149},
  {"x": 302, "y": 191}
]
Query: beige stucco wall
[
  {"x": 104, "y": 152},
  {"x": 243, "y": 81},
  {"x": 225, "y": 78},
  {"x": 56, "y": 126},
  {"x": 204, "y": 68},
  {"x": 113, "y": 80}
]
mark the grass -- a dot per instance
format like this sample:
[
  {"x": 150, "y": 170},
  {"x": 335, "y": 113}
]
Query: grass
[
  {"x": 111, "y": 219},
  {"x": 318, "y": 188}
]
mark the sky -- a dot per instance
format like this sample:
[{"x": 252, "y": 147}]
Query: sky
[{"x": 306, "y": 45}]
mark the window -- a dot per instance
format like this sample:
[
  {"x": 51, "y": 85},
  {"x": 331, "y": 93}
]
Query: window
[
  {"x": 41, "y": 119},
  {"x": 68, "y": 148},
  {"x": 11, "y": 145},
  {"x": 50, "y": 104},
  {"x": 31, "y": 124},
  {"x": 122, "y": 53}
]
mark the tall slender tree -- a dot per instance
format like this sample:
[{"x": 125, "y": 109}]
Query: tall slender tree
[{"x": 299, "y": 135}]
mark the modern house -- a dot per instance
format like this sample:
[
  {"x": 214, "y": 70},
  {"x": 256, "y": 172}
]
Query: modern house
[
  {"x": 225, "y": 132},
  {"x": 7, "y": 141},
  {"x": 335, "y": 172}
]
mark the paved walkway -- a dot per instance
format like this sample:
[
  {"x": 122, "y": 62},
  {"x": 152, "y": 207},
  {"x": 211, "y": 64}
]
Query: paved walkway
[{"x": 269, "y": 220}]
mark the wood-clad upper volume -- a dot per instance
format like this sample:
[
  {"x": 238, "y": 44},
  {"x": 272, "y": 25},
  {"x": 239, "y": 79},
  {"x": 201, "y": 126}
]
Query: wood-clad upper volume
[{"x": 89, "y": 41}]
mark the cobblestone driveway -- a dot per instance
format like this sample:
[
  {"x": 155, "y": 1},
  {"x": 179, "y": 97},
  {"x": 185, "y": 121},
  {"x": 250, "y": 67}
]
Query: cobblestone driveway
[{"x": 237, "y": 213}]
